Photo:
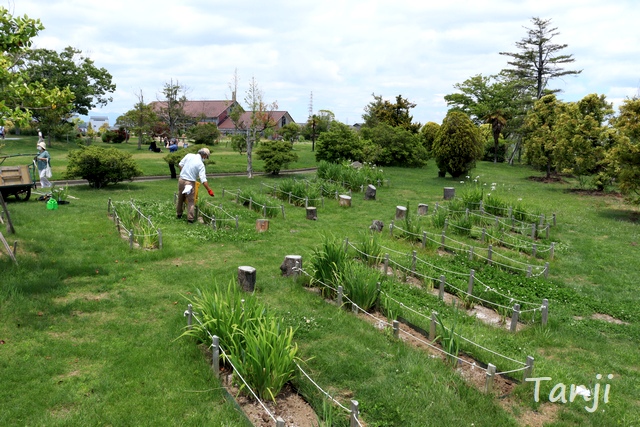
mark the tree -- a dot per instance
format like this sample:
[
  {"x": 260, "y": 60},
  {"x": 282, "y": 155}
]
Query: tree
[
  {"x": 20, "y": 97},
  {"x": 171, "y": 108},
  {"x": 624, "y": 158},
  {"x": 540, "y": 133},
  {"x": 260, "y": 119},
  {"x": 458, "y": 145},
  {"x": 101, "y": 166},
  {"x": 139, "y": 120},
  {"x": 339, "y": 143},
  {"x": 491, "y": 100},
  {"x": 290, "y": 132},
  {"x": 206, "y": 134},
  {"x": 316, "y": 124},
  {"x": 582, "y": 138},
  {"x": 394, "y": 114},
  {"x": 539, "y": 60},
  {"x": 428, "y": 133},
  {"x": 276, "y": 155},
  {"x": 393, "y": 146}
]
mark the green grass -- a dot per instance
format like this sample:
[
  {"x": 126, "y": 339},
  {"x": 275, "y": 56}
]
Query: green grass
[{"x": 90, "y": 327}]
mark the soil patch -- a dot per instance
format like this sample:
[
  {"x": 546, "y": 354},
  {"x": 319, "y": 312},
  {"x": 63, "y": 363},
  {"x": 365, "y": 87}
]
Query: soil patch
[
  {"x": 548, "y": 180},
  {"x": 289, "y": 406},
  {"x": 604, "y": 317}
]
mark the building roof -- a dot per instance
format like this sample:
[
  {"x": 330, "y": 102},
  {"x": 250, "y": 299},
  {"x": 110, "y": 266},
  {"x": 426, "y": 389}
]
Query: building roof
[
  {"x": 199, "y": 108},
  {"x": 246, "y": 119}
]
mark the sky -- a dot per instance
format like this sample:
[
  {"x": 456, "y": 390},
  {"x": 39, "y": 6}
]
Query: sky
[{"x": 334, "y": 54}]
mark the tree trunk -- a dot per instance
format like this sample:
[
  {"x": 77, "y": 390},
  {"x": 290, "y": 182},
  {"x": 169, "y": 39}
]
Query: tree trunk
[{"x": 249, "y": 157}]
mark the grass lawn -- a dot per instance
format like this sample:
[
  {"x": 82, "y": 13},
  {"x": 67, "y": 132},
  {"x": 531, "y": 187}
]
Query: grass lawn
[{"x": 89, "y": 328}]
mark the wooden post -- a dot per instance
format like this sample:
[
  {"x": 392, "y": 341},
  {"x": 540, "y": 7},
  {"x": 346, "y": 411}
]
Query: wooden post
[
  {"x": 264, "y": 211},
  {"x": 159, "y": 239},
  {"x": 370, "y": 192},
  {"x": 109, "y": 206},
  {"x": 554, "y": 220},
  {"x": 189, "y": 315},
  {"x": 280, "y": 422},
  {"x": 449, "y": 193},
  {"x": 215, "y": 356},
  {"x": 441, "y": 289},
  {"x": 424, "y": 239},
  {"x": 247, "y": 278},
  {"x": 423, "y": 209},
  {"x": 131, "y": 239},
  {"x": 545, "y": 312},
  {"x": 346, "y": 245},
  {"x": 262, "y": 225},
  {"x": 401, "y": 212},
  {"x": 466, "y": 214},
  {"x": 490, "y": 254},
  {"x": 470, "y": 253},
  {"x": 533, "y": 231},
  {"x": 386, "y": 263},
  {"x": 290, "y": 265},
  {"x": 442, "y": 240},
  {"x": 529, "y": 369},
  {"x": 514, "y": 317},
  {"x": 353, "y": 419},
  {"x": 446, "y": 224},
  {"x": 312, "y": 213},
  {"x": 432, "y": 326},
  {"x": 484, "y": 235},
  {"x": 237, "y": 217},
  {"x": 541, "y": 220},
  {"x": 491, "y": 373},
  {"x": 529, "y": 271},
  {"x": 552, "y": 250},
  {"x": 340, "y": 294},
  {"x": 534, "y": 250},
  {"x": 546, "y": 270},
  {"x": 345, "y": 201},
  {"x": 391, "y": 229},
  {"x": 396, "y": 328},
  {"x": 472, "y": 275}
]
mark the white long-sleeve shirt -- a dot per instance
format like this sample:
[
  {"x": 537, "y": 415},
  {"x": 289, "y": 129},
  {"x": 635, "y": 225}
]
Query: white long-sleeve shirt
[{"x": 192, "y": 167}]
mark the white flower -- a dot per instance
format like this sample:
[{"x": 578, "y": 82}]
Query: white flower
[
  {"x": 468, "y": 176},
  {"x": 461, "y": 182}
]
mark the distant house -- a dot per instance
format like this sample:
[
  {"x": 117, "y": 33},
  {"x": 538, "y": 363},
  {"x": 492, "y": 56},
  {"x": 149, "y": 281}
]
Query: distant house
[
  {"x": 218, "y": 112},
  {"x": 97, "y": 121},
  {"x": 279, "y": 119}
]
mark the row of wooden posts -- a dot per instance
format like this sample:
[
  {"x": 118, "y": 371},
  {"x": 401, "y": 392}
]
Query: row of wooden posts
[
  {"x": 292, "y": 264},
  {"x": 247, "y": 282}
]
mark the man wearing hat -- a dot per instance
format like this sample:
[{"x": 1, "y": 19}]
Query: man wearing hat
[
  {"x": 42, "y": 160},
  {"x": 191, "y": 168}
]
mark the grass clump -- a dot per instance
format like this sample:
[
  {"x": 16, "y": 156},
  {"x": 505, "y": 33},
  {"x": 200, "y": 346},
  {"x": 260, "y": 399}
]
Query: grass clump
[{"x": 258, "y": 345}]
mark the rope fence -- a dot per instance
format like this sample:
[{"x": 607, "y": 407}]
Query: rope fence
[
  {"x": 137, "y": 226},
  {"x": 529, "y": 269},
  {"x": 214, "y": 220},
  {"x": 292, "y": 199},
  {"x": 218, "y": 351},
  {"x": 525, "y": 367},
  {"x": 468, "y": 294},
  {"x": 267, "y": 211}
]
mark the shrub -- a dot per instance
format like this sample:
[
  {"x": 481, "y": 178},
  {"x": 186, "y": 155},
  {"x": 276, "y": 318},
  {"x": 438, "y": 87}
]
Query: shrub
[
  {"x": 339, "y": 143},
  {"x": 276, "y": 155},
  {"x": 101, "y": 166},
  {"x": 457, "y": 145},
  {"x": 360, "y": 284},
  {"x": 206, "y": 134}
]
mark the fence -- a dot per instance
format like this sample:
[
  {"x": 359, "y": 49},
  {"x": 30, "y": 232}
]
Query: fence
[
  {"x": 218, "y": 351},
  {"x": 525, "y": 367},
  {"x": 267, "y": 211},
  {"x": 516, "y": 310},
  {"x": 138, "y": 227},
  {"x": 292, "y": 199},
  {"x": 208, "y": 213},
  {"x": 529, "y": 269}
]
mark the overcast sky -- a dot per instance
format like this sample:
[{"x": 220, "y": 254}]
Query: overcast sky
[{"x": 342, "y": 51}]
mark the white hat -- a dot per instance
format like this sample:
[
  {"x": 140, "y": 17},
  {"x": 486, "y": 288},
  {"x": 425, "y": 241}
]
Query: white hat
[
  {"x": 205, "y": 152},
  {"x": 42, "y": 145}
]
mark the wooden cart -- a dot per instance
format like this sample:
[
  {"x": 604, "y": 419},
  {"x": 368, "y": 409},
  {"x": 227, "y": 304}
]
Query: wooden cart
[{"x": 17, "y": 181}]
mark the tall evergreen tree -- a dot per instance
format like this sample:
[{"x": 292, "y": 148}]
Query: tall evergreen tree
[{"x": 539, "y": 59}]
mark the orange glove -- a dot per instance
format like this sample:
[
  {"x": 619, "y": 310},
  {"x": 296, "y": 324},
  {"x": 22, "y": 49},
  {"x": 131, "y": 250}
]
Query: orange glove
[{"x": 211, "y": 192}]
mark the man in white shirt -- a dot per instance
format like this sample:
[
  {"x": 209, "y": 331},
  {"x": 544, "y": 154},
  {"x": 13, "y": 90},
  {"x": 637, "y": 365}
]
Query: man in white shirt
[{"x": 191, "y": 169}]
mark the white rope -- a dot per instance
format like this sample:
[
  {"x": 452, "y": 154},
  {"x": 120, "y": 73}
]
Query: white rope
[{"x": 320, "y": 388}]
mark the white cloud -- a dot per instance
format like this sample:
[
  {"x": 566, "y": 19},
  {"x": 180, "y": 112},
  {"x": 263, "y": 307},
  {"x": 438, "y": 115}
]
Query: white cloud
[{"x": 341, "y": 51}]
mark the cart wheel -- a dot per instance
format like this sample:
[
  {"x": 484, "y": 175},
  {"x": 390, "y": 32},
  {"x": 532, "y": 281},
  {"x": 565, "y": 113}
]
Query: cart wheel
[{"x": 23, "y": 195}]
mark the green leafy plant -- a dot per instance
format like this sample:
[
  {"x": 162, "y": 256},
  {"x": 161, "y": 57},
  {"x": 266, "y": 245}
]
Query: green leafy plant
[
  {"x": 449, "y": 339},
  {"x": 101, "y": 166},
  {"x": 360, "y": 284}
]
